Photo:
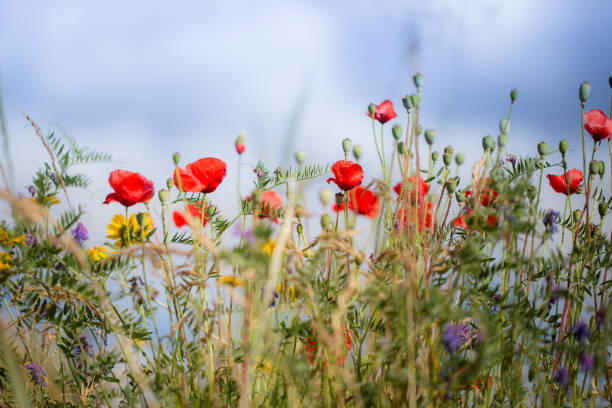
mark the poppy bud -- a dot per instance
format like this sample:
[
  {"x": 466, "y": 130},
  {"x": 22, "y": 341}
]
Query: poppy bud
[
  {"x": 414, "y": 99},
  {"x": 532, "y": 192},
  {"x": 459, "y": 196},
  {"x": 576, "y": 215},
  {"x": 459, "y": 158},
  {"x": 326, "y": 222},
  {"x": 488, "y": 143},
  {"x": 401, "y": 148},
  {"x": 358, "y": 151},
  {"x": 513, "y": 94},
  {"x": 169, "y": 183},
  {"x": 397, "y": 132},
  {"x": 418, "y": 80},
  {"x": 449, "y": 150},
  {"x": 542, "y": 148},
  {"x": 419, "y": 129},
  {"x": 372, "y": 109},
  {"x": 163, "y": 196},
  {"x": 140, "y": 218},
  {"x": 594, "y": 167},
  {"x": 451, "y": 185},
  {"x": 502, "y": 140},
  {"x": 602, "y": 168},
  {"x": 299, "y": 210},
  {"x": 176, "y": 158},
  {"x": 430, "y": 136},
  {"x": 504, "y": 126},
  {"x": 435, "y": 156},
  {"x": 339, "y": 199},
  {"x": 300, "y": 157},
  {"x": 584, "y": 92},
  {"x": 325, "y": 195},
  {"x": 299, "y": 228},
  {"x": 239, "y": 144},
  {"x": 347, "y": 145},
  {"x": 603, "y": 209},
  {"x": 447, "y": 158},
  {"x": 563, "y": 146},
  {"x": 407, "y": 103}
]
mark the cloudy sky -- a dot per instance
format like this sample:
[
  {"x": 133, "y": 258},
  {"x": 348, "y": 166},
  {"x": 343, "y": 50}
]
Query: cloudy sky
[{"x": 142, "y": 79}]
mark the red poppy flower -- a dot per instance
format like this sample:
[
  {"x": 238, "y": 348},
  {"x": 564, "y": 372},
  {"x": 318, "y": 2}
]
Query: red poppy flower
[
  {"x": 486, "y": 197},
  {"x": 130, "y": 188},
  {"x": 348, "y": 174},
  {"x": 270, "y": 201},
  {"x": 364, "y": 202},
  {"x": 384, "y": 112},
  {"x": 598, "y": 124},
  {"x": 240, "y": 148},
  {"x": 201, "y": 176},
  {"x": 181, "y": 219},
  {"x": 424, "y": 216},
  {"x": 492, "y": 221},
  {"x": 311, "y": 347},
  {"x": 411, "y": 186},
  {"x": 460, "y": 222},
  {"x": 558, "y": 182}
]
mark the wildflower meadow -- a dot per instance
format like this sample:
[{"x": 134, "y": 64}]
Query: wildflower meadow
[{"x": 423, "y": 282}]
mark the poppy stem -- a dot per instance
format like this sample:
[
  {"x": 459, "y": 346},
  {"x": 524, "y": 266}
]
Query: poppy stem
[{"x": 583, "y": 144}]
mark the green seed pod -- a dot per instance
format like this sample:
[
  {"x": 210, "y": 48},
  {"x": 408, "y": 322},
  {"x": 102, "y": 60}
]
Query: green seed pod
[
  {"x": 513, "y": 94},
  {"x": 407, "y": 103},
  {"x": 299, "y": 228},
  {"x": 460, "y": 196},
  {"x": 300, "y": 157},
  {"x": 372, "y": 109},
  {"x": 358, "y": 151},
  {"x": 488, "y": 144},
  {"x": 584, "y": 92},
  {"x": 339, "y": 199},
  {"x": 141, "y": 219},
  {"x": 603, "y": 209},
  {"x": 602, "y": 168},
  {"x": 563, "y": 147},
  {"x": 419, "y": 130},
  {"x": 576, "y": 215},
  {"x": 414, "y": 98},
  {"x": 347, "y": 145},
  {"x": 326, "y": 222},
  {"x": 449, "y": 149},
  {"x": 502, "y": 140},
  {"x": 176, "y": 158},
  {"x": 435, "y": 156},
  {"x": 447, "y": 158},
  {"x": 163, "y": 196},
  {"x": 451, "y": 185},
  {"x": 397, "y": 131},
  {"x": 542, "y": 148},
  {"x": 430, "y": 136},
  {"x": 504, "y": 126},
  {"x": 532, "y": 191},
  {"x": 594, "y": 167},
  {"x": 401, "y": 148},
  {"x": 418, "y": 80},
  {"x": 325, "y": 196},
  {"x": 459, "y": 158},
  {"x": 169, "y": 183}
]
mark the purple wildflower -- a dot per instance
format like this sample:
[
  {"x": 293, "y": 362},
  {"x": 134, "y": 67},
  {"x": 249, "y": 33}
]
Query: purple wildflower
[
  {"x": 511, "y": 158},
  {"x": 451, "y": 338},
  {"x": 31, "y": 190},
  {"x": 550, "y": 221},
  {"x": 82, "y": 347},
  {"x": 581, "y": 331},
  {"x": 464, "y": 330},
  {"x": 30, "y": 239},
  {"x": 80, "y": 233},
  {"x": 585, "y": 361},
  {"x": 37, "y": 374},
  {"x": 561, "y": 376},
  {"x": 247, "y": 234}
]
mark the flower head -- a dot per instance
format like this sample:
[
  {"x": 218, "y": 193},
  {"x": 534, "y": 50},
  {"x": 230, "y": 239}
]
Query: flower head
[
  {"x": 423, "y": 214},
  {"x": 598, "y": 124},
  {"x": 550, "y": 221},
  {"x": 561, "y": 376},
  {"x": 202, "y": 176},
  {"x": 452, "y": 337},
  {"x": 125, "y": 232},
  {"x": 130, "y": 188},
  {"x": 571, "y": 182},
  {"x": 30, "y": 239},
  {"x": 411, "y": 186},
  {"x": 37, "y": 374},
  {"x": 364, "y": 202},
  {"x": 581, "y": 331},
  {"x": 585, "y": 361},
  {"x": 347, "y": 174},
  {"x": 98, "y": 253},
  {"x": 384, "y": 112},
  {"x": 191, "y": 211},
  {"x": 270, "y": 203},
  {"x": 80, "y": 233},
  {"x": 230, "y": 280}
]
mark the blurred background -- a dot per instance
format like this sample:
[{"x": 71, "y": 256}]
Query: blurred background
[{"x": 143, "y": 79}]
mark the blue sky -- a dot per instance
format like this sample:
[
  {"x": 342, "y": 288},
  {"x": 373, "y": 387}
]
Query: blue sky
[{"x": 142, "y": 79}]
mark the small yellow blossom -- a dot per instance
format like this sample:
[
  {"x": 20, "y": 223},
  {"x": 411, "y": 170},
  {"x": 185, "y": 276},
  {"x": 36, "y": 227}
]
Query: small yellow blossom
[
  {"x": 268, "y": 247},
  {"x": 98, "y": 253},
  {"x": 4, "y": 237},
  {"x": 52, "y": 200},
  {"x": 5, "y": 261},
  {"x": 20, "y": 240},
  {"x": 117, "y": 230},
  {"x": 264, "y": 365},
  {"x": 281, "y": 289},
  {"x": 230, "y": 280}
]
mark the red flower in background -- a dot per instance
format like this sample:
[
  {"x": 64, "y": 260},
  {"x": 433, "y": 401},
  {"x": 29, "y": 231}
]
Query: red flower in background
[
  {"x": 270, "y": 201},
  {"x": 240, "y": 148},
  {"x": 181, "y": 218},
  {"x": 130, "y": 188},
  {"x": 460, "y": 222},
  {"x": 486, "y": 197},
  {"x": 423, "y": 215},
  {"x": 201, "y": 176},
  {"x": 348, "y": 174},
  {"x": 411, "y": 186},
  {"x": 384, "y": 112},
  {"x": 364, "y": 202},
  {"x": 560, "y": 184},
  {"x": 598, "y": 124},
  {"x": 311, "y": 347},
  {"x": 492, "y": 221}
]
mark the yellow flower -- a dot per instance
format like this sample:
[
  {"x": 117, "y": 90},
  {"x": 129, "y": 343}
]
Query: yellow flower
[
  {"x": 5, "y": 261},
  {"x": 20, "y": 240},
  {"x": 281, "y": 289},
  {"x": 230, "y": 280},
  {"x": 264, "y": 365},
  {"x": 268, "y": 247},
  {"x": 51, "y": 200},
  {"x": 118, "y": 229},
  {"x": 98, "y": 253},
  {"x": 4, "y": 237}
]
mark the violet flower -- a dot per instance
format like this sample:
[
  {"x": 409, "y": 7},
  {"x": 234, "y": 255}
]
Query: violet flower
[
  {"x": 37, "y": 374},
  {"x": 80, "y": 233}
]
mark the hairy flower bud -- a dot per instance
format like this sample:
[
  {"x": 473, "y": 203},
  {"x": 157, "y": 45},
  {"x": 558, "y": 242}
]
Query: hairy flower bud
[
  {"x": 169, "y": 183},
  {"x": 603, "y": 209},
  {"x": 418, "y": 80},
  {"x": 358, "y": 151},
  {"x": 326, "y": 222},
  {"x": 419, "y": 129},
  {"x": 430, "y": 136},
  {"x": 397, "y": 131},
  {"x": 576, "y": 215},
  {"x": 435, "y": 156},
  {"x": 176, "y": 158},
  {"x": 347, "y": 144},
  {"x": 299, "y": 228},
  {"x": 542, "y": 149},
  {"x": 602, "y": 168},
  {"x": 563, "y": 147},
  {"x": 325, "y": 196},
  {"x": 459, "y": 158},
  {"x": 460, "y": 196},
  {"x": 407, "y": 103},
  {"x": 488, "y": 144},
  {"x": 401, "y": 148},
  {"x": 447, "y": 158},
  {"x": 163, "y": 196},
  {"x": 514, "y": 94},
  {"x": 504, "y": 126},
  {"x": 372, "y": 110},
  {"x": 584, "y": 92},
  {"x": 300, "y": 157}
]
